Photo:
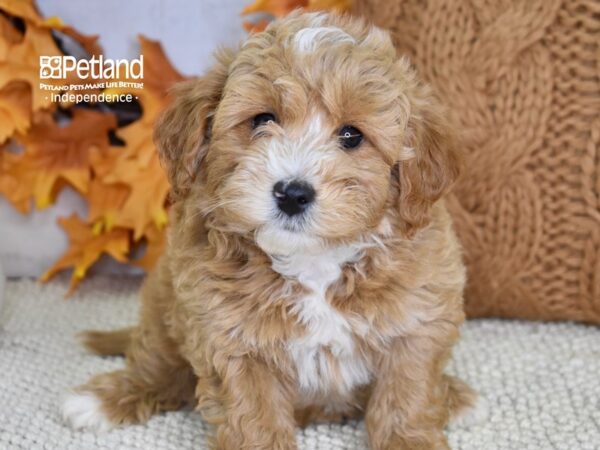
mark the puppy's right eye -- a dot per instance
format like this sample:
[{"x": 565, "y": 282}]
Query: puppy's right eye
[{"x": 262, "y": 119}]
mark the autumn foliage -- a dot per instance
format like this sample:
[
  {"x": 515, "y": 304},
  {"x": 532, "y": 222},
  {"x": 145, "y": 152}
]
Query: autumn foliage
[
  {"x": 278, "y": 8},
  {"x": 112, "y": 163}
]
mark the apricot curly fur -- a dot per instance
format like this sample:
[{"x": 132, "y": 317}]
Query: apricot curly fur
[{"x": 225, "y": 321}]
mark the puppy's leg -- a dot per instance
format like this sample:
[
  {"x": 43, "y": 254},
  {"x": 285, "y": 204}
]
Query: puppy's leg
[
  {"x": 335, "y": 411},
  {"x": 255, "y": 411},
  {"x": 107, "y": 342},
  {"x": 320, "y": 414},
  {"x": 408, "y": 407},
  {"x": 154, "y": 379},
  {"x": 466, "y": 407}
]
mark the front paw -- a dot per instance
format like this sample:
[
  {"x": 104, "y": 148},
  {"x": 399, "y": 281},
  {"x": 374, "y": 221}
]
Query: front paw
[
  {"x": 83, "y": 410},
  {"x": 254, "y": 438}
]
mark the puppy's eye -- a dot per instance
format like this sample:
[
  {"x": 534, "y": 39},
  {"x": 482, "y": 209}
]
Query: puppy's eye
[
  {"x": 350, "y": 137},
  {"x": 261, "y": 119}
]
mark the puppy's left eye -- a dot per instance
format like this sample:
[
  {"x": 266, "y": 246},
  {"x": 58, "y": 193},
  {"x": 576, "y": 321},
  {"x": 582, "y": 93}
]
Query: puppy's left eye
[
  {"x": 261, "y": 119},
  {"x": 350, "y": 137}
]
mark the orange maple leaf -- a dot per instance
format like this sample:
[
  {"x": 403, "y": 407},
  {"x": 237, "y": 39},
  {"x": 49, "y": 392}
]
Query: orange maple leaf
[
  {"x": 9, "y": 36},
  {"x": 105, "y": 201},
  {"x": 159, "y": 76},
  {"x": 16, "y": 180},
  {"x": 88, "y": 42},
  {"x": 20, "y": 55},
  {"x": 125, "y": 186},
  {"x": 137, "y": 165},
  {"x": 85, "y": 248},
  {"x": 279, "y": 8},
  {"x": 25, "y": 9},
  {"x": 155, "y": 246},
  {"x": 331, "y": 5},
  {"x": 15, "y": 109},
  {"x": 145, "y": 204},
  {"x": 255, "y": 27},
  {"x": 56, "y": 153},
  {"x": 159, "y": 73},
  {"x": 21, "y": 62}
]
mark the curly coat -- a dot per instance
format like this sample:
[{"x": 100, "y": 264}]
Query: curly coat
[{"x": 263, "y": 329}]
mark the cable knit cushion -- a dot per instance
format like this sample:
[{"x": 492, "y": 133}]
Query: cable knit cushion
[
  {"x": 522, "y": 79},
  {"x": 540, "y": 380}
]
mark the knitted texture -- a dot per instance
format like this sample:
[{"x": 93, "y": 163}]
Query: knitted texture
[
  {"x": 540, "y": 380},
  {"x": 522, "y": 78}
]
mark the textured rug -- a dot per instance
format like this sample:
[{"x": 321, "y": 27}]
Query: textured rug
[{"x": 541, "y": 380}]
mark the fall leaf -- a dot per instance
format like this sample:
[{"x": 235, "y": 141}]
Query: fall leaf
[
  {"x": 56, "y": 153},
  {"x": 138, "y": 165},
  {"x": 88, "y": 42},
  {"x": 26, "y": 10},
  {"x": 145, "y": 204},
  {"x": 105, "y": 201},
  {"x": 155, "y": 246},
  {"x": 332, "y": 5},
  {"x": 255, "y": 27},
  {"x": 22, "y": 8},
  {"x": 16, "y": 180},
  {"x": 21, "y": 62},
  {"x": 278, "y": 8},
  {"x": 159, "y": 76},
  {"x": 15, "y": 109},
  {"x": 9, "y": 36},
  {"x": 85, "y": 248}
]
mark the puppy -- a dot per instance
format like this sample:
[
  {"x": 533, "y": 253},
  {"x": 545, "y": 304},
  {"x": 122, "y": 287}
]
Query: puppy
[{"x": 311, "y": 273}]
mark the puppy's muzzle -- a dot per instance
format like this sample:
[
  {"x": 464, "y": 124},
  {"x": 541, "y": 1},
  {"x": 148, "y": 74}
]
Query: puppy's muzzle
[{"x": 293, "y": 197}]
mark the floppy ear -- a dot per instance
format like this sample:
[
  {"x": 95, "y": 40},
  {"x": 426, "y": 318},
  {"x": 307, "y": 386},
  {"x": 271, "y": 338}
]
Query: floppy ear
[
  {"x": 436, "y": 163},
  {"x": 182, "y": 132}
]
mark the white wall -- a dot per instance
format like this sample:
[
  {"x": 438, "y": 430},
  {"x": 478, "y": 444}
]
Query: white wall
[{"x": 188, "y": 29}]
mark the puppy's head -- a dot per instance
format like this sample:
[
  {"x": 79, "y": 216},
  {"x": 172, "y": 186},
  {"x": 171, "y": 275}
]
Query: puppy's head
[{"x": 309, "y": 135}]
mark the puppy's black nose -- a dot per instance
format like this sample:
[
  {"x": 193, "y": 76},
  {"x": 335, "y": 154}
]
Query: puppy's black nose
[{"x": 293, "y": 197}]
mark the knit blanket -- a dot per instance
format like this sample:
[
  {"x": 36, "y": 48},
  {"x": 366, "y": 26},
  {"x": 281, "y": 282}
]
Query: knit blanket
[
  {"x": 521, "y": 78},
  {"x": 540, "y": 379}
]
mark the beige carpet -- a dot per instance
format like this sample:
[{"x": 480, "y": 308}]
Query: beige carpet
[{"x": 542, "y": 381}]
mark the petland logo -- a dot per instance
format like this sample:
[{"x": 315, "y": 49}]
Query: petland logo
[
  {"x": 96, "y": 68},
  {"x": 72, "y": 80}
]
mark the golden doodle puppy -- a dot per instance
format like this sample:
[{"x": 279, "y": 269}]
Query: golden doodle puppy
[{"x": 311, "y": 272}]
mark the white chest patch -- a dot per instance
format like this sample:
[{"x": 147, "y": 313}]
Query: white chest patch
[{"x": 325, "y": 356}]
